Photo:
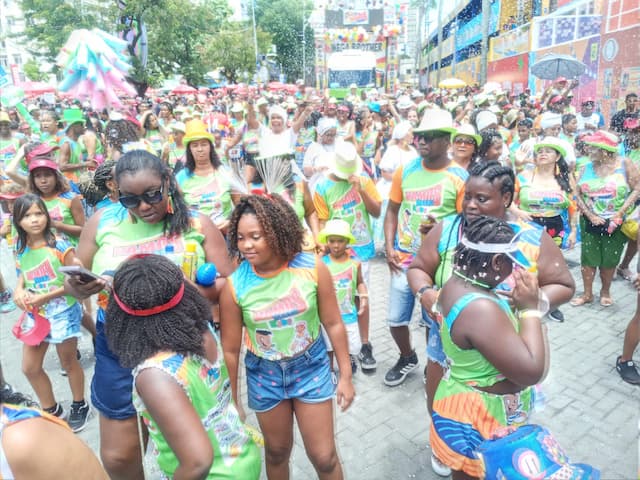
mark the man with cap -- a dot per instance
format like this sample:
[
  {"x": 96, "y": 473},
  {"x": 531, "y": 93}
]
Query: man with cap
[
  {"x": 423, "y": 191},
  {"x": 348, "y": 194},
  {"x": 588, "y": 120},
  {"x": 353, "y": 97},
  {"x": 70, "y": 154}
]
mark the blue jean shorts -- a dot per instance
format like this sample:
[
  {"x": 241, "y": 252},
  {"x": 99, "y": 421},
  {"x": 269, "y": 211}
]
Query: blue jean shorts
[
  {"x": 435, "y": 351},
  {"x": 112, "y": 384},
  {"x": 65, "y": 324},
  {"x": 401, "y": 302},
  {"x": 305, "y": 377}
]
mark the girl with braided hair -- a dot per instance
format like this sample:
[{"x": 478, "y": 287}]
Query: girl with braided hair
[
  {"x": 118, "y": 133},
  {"x": 489, "y": 190},
  {"x": 280, "y": 296},
  {"x": 488, "y": 385},
  {"x": 152, "y": 218},
  {"x": 102, "y": 191},
  {"x": 160, "y": 326}
]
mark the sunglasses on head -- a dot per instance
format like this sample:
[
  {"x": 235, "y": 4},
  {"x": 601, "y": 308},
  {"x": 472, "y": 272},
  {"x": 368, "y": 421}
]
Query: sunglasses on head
[
  {"x": 132, "y": 201},
  {"x": 429, "y": 136}
]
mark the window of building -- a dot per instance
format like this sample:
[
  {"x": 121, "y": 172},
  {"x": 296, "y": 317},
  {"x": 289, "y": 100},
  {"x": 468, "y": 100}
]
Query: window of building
[
  {"x": 4, "y": 61},
  {"x": 17, "y": 59}
]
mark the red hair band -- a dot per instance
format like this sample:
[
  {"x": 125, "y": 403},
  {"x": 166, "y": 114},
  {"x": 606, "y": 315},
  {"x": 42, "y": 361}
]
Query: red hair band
[{"x": 145, "y": 312}]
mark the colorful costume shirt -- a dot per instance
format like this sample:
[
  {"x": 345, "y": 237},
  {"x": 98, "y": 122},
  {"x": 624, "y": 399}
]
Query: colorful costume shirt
[
  {"x": 209, "y": 195},
  {"x": 280, "y": 312},
  {"x": 345, "y": 282}
]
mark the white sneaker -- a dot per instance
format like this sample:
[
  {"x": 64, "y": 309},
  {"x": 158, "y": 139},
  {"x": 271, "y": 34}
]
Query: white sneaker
[{"x": 439, "y": 468}]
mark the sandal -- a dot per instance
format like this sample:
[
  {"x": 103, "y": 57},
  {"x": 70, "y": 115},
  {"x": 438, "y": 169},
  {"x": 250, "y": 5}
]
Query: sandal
[
  {"x": 606, "y": 300},
  {"x": 624, "y": 273},
  {"x": 581, "y": 300}
]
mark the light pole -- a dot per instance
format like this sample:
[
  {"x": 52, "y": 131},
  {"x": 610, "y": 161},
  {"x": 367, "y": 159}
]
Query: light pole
[{"x": 255, "y": 33}]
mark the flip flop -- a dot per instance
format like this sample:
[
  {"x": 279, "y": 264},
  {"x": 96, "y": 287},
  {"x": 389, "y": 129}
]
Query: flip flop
[
  {"x": 606, "y": 300},
  {"x": 624, "y": 273},
  {"x": 581, "y": 300}
]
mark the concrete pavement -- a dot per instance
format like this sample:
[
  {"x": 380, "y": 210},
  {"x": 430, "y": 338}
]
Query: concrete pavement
[{"x": 384, "y": 435}]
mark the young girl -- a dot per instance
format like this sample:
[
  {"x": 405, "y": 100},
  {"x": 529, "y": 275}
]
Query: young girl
[
  {"x": 161, "y": 327},
  {"x": 41, "y": 287},
  {"x": 351, "y": 290},
  {"x": 280, "y": 296},
  {"x": 488, "y": 385}
]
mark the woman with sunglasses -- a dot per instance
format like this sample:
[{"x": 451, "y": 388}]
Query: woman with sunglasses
[
  {"x": 489, "y": 191},
  {"x": 464, "y": 145},
  {"x": 151, "y": 217}
]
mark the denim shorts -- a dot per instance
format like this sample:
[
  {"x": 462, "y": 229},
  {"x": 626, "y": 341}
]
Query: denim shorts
[
  {"x": 435, "y": 351},
  {"x": 112, "y": 384},
  {"x": 305, "y": 377},
  {"x": 401, "y": 302},
  {"x": 65, "y": 324}
]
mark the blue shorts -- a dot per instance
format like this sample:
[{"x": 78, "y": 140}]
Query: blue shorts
[
  {"x": 435, "y": 351},
  {"x": 112, "y": 384},
  {"x": 401, "y": 302},
  {"x": 305, "y": 377}
]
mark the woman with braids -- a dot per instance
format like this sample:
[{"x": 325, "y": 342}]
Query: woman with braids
[
  {"x": 120, "y": 133},
  {"x": 204, "y": 181},
  {"x": 489, "y": 190},
  {"x": 280, "y": 296},
  {"x": 546, "y": 192},
  {"x": 152, "y": 218},
  {"x": 488, "y": 385},
  {"x": 102, "y": 191},
  {"x": 160, "y": 326},
  {"x": 490, "y": 149}
]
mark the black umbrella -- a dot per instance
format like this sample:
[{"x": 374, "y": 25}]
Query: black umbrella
[{"x": 553, "y": 65}]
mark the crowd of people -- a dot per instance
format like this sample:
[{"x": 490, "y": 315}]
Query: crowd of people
[{"x": 471, "y": 196}]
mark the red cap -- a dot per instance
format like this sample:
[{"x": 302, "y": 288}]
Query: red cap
[
  {"x": 556, "y": 99},
  {"x": 10, "y": 195},
  {"x": 508, "y": 106},
  {"x": 133, "y": 120},
  {"x": 560, "y": 80},
  {"x": 587, "y": 100},
  {"x": 37, "y": 333},
  {"x": 42, "y": 163},
  {"x": 42, "y": 150}
]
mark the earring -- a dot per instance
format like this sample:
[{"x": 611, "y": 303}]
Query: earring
[{"x": 170, "y": 209}]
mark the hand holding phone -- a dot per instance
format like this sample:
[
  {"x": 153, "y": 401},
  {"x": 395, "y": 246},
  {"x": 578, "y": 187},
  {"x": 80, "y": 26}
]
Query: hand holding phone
[{"x": 81, "y": 273}]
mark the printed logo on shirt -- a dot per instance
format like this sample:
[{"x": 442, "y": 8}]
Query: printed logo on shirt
[
  {"x": 156, "y": 245},
  {"x": 281, "y": 313},
  {"x": 425, "y": 198},
  {"x": 348, "y": 202},
  {"x": 41, "y": 273}
]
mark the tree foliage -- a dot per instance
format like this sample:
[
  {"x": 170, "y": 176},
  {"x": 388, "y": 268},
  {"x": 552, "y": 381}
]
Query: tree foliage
[
  {"x": 32, "y": 71},
  {"x": 283, "y": 19},
  {"x": 232, "y": 50}
]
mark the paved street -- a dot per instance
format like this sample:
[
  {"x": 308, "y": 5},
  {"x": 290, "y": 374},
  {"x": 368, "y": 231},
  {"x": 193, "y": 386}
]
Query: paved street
[{"x": 384, "y": 435}]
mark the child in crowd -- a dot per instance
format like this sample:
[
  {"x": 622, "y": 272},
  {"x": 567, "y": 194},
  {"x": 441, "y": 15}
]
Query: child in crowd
[
  {"x": 40, "y": 290},
  {"x": 279, "y": 296},
  {"x": 161, "y": 326},
  {"x": 351, "y": 291},
  {"x": 9, "y": 192}
]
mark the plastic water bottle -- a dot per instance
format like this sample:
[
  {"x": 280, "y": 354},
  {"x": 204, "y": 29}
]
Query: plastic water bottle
[
  {"x": 170, "y": 254},
  {"x": 189, "y": 260}
]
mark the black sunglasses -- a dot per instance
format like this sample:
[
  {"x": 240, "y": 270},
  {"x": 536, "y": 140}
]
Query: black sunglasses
[
  {"x": 430, "y": 136},
  {"x": 132, "y": 201}
]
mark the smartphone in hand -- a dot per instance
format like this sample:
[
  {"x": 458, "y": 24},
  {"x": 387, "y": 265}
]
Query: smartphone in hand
[{"x": 83, "y": 274}]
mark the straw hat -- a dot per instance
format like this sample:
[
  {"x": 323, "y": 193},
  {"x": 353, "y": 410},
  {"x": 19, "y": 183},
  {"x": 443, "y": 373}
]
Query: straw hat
[
  {"x": 437, "y": 120},
  {"x": 346, "y": 161},
  {"x": 336, "y": 228},
  {"x": 196, "y": 130}
]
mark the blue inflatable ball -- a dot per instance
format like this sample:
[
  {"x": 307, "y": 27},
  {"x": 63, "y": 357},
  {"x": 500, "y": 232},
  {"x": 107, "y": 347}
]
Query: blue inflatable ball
[{"x": 206, "y": 274}]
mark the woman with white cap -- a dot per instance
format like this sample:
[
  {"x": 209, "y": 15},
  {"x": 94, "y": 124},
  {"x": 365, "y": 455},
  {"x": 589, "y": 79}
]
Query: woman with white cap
[
  {"x": 604, "y": 193},
  {"x": 464, "y": 145}
]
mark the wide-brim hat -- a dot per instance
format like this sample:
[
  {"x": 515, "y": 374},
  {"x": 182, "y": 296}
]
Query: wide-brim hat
[
  {"x": 438, "y": 120},
  {"x": 196, "y": 130},
  {"x": 261, "y": 101},
  {"x": 72, "y": 116},
  {"x": 42, "y": 163},
  {"x": 604, "y": 140},
  {"x": 178, "y": 127},
  {"x": 345, "y": 161},
  {"x": 336, "y": 228},
  {"x": 404, "y": 103},
  {"x": 551, "y": 142},
  {"x": 468, "y": 131},
  {"x": 237, "y": 108}
]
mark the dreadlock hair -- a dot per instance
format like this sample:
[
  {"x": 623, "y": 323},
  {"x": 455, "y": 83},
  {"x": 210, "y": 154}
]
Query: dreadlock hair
[
  {"x": 97, "y": 189},
  {"x": 148, "y": 281},
  {"x": 190, "y": 162},
  {"x": 488, "y": 138},
  {"x": 493, "y": 172},
  {"x": 20, "y": 209},
  {"x": 279, "y": 222},
  {"x": 119, "y": 132},
  {"x": 136, "y": 161},
  {"x": 486, "y": 230}
]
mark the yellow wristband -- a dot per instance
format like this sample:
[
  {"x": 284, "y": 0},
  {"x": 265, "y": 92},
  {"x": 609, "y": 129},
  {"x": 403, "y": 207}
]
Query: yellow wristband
[{"x": 530, "y": 314}]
